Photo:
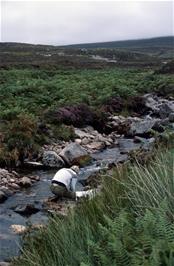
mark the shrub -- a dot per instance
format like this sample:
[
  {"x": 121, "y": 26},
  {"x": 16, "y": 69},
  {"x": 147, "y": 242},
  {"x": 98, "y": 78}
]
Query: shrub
[
  {"x": 63, "y": 132},
  {"x": 19, "y": 137},
  {"x": 77, "y": 115}
]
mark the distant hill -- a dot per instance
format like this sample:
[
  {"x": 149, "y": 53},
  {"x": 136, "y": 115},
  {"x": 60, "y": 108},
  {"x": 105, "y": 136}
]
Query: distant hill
[
  {"x": 140, "y": 43},
  {"x": 139, "y": 53}
]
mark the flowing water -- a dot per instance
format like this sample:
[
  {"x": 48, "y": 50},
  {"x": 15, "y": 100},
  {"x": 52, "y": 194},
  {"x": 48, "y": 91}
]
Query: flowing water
[{"x": 10, "y": 242}]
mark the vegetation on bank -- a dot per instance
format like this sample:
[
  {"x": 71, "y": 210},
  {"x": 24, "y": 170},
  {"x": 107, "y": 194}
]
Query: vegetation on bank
[
  {"x": 130, "y": 223},
  {"x": 31, "y": 100},
  {"x": 32, "y": 91}
]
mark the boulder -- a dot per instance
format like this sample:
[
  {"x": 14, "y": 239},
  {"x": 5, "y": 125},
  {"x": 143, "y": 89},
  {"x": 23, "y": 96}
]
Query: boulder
[
  {"x": 75, "y": 154},
  {"x": 25, "y": 182},
  {"x": 141, "y": 127},
  {"x": 3, "y": 196},
  {"x": 52, "y": 159}
]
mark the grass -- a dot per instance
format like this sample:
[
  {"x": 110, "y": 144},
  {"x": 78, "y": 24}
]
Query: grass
[{"x": 130, "y": 223}]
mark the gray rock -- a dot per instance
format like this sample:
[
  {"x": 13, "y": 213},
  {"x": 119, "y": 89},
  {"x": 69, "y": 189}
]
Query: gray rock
[
  {"x": 141, "y": 127},
  {"x": 171, "y": 117},
  {"x": 3, "y": 196},
  {"x": 25, "y": 182},
  {"x": 52, "y": 159},
  {"x": 165, "y": 109},
  {"x": 75, "y": 154}
]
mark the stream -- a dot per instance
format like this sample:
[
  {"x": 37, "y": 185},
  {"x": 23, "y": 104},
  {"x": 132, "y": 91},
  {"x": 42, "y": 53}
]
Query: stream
[
  {"x": 39, "y": 192},
  {"x": 10, "y": 242}
]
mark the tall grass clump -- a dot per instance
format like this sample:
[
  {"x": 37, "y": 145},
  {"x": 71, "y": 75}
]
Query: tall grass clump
[
  {"x": 149, "y": 186},
  {"x": 131, "y": 222}
]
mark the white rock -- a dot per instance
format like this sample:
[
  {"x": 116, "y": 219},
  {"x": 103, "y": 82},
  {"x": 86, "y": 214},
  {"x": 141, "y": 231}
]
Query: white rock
[{"x": 18, "y": 229}]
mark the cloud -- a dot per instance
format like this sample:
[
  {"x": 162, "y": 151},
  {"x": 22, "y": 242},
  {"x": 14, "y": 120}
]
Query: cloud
[{"x": 66, "y": 22}]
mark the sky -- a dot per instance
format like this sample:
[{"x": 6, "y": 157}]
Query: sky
[{"x": 69, "y": 22}]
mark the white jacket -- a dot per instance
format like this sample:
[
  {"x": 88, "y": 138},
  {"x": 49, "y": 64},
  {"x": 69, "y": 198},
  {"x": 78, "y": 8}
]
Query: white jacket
[{"x": 66, "y": 176}]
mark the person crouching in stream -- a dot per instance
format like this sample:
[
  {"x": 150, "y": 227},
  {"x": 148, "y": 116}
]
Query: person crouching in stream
[{"x": 64, "y": 182}]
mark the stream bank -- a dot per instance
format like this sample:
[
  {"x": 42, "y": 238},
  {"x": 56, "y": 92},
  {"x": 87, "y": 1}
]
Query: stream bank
[{"x": 93, "y": 151}]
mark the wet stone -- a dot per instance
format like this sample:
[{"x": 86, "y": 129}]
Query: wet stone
[
  {"x": 3, "y": 196},
  {"x": 141, "y": 127},
  {"x": 25, "y": 182},
  {"x": 27, "y": 210}
]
